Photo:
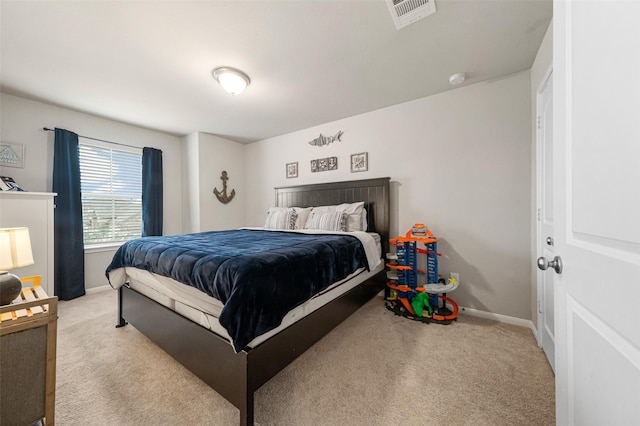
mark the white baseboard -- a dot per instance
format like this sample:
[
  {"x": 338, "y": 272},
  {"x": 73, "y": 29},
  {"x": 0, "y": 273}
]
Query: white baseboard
[
  {"x": 500, "y": 318},
  {"x": 98, "y": 289}
]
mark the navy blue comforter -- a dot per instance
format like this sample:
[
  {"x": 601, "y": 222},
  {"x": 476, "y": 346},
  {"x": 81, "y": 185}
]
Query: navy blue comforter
[{"x": 258, "y": 275}]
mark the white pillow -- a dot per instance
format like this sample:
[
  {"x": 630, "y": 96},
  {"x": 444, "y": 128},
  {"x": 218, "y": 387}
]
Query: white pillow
[
  {"x": 281, "y": 218},
  {"x": 329, "y": 220},
  {"x": 365, "y": 224},
  {"x": 356, "y": 214},
  {"x": 355, "y": 219},
  {"x": 300, "y": 216},
  {"x": 303, "y": 216}
]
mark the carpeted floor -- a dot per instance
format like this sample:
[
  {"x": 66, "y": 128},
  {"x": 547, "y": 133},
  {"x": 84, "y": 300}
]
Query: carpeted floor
[{"x": 373, "y": 369}]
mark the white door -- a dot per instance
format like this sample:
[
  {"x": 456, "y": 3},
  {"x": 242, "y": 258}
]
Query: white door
[
  {"x": 597, "y": 211},
  {"x": 546, "y": 242}
]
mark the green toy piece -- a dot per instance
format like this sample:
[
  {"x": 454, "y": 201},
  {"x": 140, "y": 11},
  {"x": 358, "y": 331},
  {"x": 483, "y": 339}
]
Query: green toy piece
[{"x": 419, "y": 302}]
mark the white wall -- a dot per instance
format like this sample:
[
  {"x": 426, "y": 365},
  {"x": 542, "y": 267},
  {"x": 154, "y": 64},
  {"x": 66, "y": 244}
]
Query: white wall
[
  {"x": 218, "y": 154},
  {"x": 190, "y": 184},
  {"x": 540, "y": 70},
  {"x": 207, "y": 156},
  {"x": 459, "y": 161},
  {"x": 22, "y": 121}
]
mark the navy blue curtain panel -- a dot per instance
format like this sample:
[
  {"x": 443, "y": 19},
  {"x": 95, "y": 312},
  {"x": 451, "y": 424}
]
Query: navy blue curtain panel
[
  {"x": 69, "y": 238},
  {"x": 151, "y": 192}
]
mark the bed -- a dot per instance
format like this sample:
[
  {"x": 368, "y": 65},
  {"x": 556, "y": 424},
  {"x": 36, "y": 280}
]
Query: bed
[{"x": 237, "y": 371}]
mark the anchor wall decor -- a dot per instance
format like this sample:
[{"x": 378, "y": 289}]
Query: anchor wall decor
[{"x": 222, "y": 196}]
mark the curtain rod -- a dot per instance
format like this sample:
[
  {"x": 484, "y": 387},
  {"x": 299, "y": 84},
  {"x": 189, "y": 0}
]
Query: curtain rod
[{"x": 96, "y": 139}]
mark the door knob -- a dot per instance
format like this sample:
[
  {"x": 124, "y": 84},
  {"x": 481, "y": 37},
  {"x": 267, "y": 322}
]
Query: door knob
[
  {"x": 555, "y": 264},
  {"x": 550, "y": 241}
]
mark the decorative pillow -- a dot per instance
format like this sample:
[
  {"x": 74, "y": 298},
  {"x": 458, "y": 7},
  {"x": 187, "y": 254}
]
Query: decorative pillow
[
  {"x": 303, "y": 216},
  {"x": 356, "y": 214},
  {"x": 328, "y": 221},
  {"x": 278, "y": 218},
  {"x": 365, "y": 224}
]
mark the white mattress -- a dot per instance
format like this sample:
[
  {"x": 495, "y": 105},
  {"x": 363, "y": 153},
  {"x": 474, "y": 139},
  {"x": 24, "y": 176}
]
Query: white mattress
[{"x": 204, "y": 309}]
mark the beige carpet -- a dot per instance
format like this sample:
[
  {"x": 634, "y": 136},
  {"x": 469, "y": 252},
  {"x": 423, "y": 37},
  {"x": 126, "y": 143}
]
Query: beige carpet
[{"x": 374, "y": 369}]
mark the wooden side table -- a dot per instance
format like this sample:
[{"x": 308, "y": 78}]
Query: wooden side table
[{"x": 28, "y": 328}]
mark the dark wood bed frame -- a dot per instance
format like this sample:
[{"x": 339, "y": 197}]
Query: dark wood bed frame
[{"x": 236, "y": 376}]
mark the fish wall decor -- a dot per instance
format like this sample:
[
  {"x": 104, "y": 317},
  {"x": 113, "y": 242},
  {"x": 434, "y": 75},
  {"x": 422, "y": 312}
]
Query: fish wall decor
[{"x": 323, "y": 140}]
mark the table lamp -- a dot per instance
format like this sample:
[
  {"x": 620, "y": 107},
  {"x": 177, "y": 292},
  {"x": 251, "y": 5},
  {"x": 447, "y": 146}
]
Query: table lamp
[{"x": 15, "y": 251}]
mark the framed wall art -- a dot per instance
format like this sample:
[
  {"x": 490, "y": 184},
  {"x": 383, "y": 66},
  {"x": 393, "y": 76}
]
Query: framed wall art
[
  {"x": 11, "y": 155},
  {"x": 324, "y": 164},
  {"x": 359, "y": 162},
  {"x": 292, "y": 170}
]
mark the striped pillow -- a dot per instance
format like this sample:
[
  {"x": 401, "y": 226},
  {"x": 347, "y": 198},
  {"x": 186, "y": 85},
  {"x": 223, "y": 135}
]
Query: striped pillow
[
  {"x": 281, "y": 219},
  {"x": 329, "y": 221},
  {"x": 356, "y": 214}
]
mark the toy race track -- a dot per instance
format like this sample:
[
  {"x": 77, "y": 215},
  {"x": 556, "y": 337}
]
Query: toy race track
[{"x": 405, "y": 297}]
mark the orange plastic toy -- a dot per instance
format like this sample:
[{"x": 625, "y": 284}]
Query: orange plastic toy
[{"x": 404, "y": 293}]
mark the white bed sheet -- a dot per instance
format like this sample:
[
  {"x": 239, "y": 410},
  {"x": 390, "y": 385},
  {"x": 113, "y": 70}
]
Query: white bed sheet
[{"x": 204, "y": 309}]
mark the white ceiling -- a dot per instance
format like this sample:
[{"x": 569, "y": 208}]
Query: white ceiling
[{"x": 149, "y": 63}]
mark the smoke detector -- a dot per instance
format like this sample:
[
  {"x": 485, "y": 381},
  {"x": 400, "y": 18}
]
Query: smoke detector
[
  {"x": 457, "y": 78},
  {"x": 406, "y": 12}
]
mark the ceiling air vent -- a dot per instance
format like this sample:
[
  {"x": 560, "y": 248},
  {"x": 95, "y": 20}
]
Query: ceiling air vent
[{"x": 406, "y": 12}]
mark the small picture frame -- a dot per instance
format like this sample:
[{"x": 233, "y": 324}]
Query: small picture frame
[
  {"x": 292, "y": 170},
  {"x": 324, "y": 164},
  {"x": 11, "y": 155},
  {"x": 333, "y": 163},
  {"x": 359, "y": 162}
]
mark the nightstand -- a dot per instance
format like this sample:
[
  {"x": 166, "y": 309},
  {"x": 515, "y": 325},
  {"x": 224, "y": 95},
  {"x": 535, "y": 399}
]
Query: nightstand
[{"x": 28, "y": 328}]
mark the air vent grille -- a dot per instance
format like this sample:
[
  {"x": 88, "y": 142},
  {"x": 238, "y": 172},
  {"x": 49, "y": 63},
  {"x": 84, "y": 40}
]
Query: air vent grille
[
  {"x": 403, "y": 7},
  {"x": 406, "y": 12}
]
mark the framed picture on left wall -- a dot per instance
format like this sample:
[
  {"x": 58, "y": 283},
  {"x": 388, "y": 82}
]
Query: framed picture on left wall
[
  {"x": 11, "y": 155},
  {"x": 292, "y": 170}
]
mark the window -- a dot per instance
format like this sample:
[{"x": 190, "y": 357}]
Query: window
[{"x": 111, "y": 184}]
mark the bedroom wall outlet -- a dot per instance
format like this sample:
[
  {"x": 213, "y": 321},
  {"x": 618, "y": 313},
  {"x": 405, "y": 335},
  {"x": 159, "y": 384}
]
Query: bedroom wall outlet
[{"x": 455, "y": 276}]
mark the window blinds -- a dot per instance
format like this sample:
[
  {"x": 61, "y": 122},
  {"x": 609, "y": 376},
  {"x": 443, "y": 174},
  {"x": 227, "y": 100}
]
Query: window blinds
[{"x": 111, "y": 183}]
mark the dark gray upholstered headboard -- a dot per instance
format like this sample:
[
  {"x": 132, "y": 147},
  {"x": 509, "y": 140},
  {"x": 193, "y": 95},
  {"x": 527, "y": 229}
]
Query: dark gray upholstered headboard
[{"x": 374, "y": 193}]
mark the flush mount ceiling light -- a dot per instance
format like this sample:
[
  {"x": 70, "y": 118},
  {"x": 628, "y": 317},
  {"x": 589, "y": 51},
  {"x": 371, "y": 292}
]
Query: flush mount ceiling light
[
  {"x": 232, "y": 80},
  {"x": 457, "y": 78}
]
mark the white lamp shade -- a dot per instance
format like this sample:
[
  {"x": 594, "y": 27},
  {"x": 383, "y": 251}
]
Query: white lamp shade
[
  {"x": 15, "y": 248},
  {"x": 232, "y": 80}
]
